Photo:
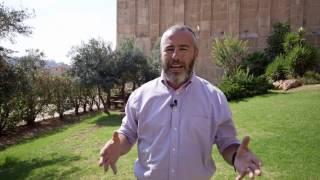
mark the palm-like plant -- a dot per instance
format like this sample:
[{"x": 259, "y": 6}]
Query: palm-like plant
[{"x": 228, "y": 53}]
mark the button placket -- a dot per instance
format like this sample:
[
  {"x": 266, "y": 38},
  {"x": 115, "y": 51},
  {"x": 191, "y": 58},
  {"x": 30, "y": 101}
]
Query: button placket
[{"x": 174, "y": 138}]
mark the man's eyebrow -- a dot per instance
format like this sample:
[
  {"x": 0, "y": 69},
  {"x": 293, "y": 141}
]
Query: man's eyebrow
[
  {"x": 169, "y": 46},
  {"x": 184, "y": 45},
  {"x": 180, "y": 46}
]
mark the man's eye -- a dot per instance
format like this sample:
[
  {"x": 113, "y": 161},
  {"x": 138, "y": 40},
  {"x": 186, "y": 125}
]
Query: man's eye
[{"x": 169, "y": 50}]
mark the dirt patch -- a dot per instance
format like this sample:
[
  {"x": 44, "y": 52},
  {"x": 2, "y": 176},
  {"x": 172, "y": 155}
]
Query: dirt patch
[{"x": 306, "y": 87}]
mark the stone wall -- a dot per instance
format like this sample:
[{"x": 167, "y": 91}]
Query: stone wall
[{"x": 146, "y": 20}]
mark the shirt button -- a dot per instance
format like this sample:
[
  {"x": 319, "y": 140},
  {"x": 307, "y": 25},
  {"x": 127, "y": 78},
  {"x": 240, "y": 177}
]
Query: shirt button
[
  {"x": 172, "y": 171},
  {"x": 175, "y": 129},
  {"x": 173, "y": 149}
]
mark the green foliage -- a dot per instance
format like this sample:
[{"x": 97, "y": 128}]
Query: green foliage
[
  {"x": 12, "y": 22},
  {"x": 33, "y": 96},
  {"x": 229, "y": 53},
  {"x": 293, "y": 39},
  {"x": 297, "y": 58},
  {"x": 8, "y": 94},
  {"x": 300, "y": 59},
  {"x": 276, "y": 39},
  {"x": 133, "y": 65},
  {"x": 256, "y": 63},
  {"x": 311, "y": 77},
  {"x": 154, "y": 62},
  {"x": 95, "y": 65},
  {"x": 60, "y": 94},
  {"x": 242, "y": 84},
  {"x": 278, "y": 69}
]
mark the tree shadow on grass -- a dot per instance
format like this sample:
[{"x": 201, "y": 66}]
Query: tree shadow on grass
[
  {"x": 41, "y": 129},
  {"x": 13, "y": 168},
  {"x": 110, "y": 120}
]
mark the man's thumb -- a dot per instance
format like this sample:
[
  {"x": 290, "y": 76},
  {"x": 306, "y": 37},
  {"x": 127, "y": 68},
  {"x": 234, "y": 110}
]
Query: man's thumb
[
  {"x": 115, "y": 137},
  {"x": 245, "y": 142}
]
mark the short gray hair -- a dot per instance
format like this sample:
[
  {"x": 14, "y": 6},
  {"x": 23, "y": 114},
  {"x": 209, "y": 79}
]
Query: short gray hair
[{"x": 179, "y": 28}]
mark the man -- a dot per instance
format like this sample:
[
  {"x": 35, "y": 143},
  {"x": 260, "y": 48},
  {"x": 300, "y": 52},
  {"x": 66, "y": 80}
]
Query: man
[{"x": 176, "y": 119}]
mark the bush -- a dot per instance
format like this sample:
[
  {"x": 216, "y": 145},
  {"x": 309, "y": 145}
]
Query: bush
[
  {"x": 300, "y": 59},
  {"x": 276, "y": 39},
  {"x": 293, "y": 39},
  {"x": 256, "y": 63},
  {"x": 278, "y": 69},
  {"x": 243, "y": 85},
  {"x": 311, "y": 77},
  {"x": 229, "y": 53}
]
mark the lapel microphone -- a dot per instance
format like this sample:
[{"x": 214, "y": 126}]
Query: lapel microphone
[{"x": 174, "y": 103}]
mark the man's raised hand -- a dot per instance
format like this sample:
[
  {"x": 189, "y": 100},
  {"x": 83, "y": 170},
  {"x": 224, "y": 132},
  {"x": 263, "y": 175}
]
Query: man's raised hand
[
  {"x": 110, "y": 153},
  {"x": 246, "y": 163}
]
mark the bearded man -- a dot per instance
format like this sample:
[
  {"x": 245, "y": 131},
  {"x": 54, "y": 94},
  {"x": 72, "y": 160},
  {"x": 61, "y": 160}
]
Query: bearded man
[{"x": 176, "y": 119}]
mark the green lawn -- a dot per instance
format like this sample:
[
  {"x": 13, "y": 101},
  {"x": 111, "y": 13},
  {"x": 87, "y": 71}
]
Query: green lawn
[{"x": 285, "y": 131}]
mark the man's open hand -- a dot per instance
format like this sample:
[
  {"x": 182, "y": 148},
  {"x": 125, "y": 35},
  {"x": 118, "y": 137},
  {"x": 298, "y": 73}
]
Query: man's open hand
[
  {"x": 246, "y": 163},
  {"x": 110, "y": 153}
]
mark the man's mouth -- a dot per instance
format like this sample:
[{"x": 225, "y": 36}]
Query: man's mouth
[{"x": 176, "y": 68}]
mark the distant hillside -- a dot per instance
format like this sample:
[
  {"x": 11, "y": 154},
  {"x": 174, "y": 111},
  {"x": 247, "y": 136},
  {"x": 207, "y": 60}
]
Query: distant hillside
[
  {"x": 52, "y": 64},
  {"x": 55, "y": 68}
]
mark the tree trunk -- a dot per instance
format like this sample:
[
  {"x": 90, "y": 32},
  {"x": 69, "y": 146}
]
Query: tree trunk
[
  {"x": 61, "y": 115},
  {"x": 105, "y": 105},
  {"x": 76, "y": 110},
  {"x": 108, "y": 98},
  {"x": 97, "y": 104},
  {"x": 30, "y": 121},
  {"x": 123, "y": 85}
]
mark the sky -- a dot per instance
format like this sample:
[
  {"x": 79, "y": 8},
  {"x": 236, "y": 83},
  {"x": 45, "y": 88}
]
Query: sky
[{"x": 60, "y": 24}]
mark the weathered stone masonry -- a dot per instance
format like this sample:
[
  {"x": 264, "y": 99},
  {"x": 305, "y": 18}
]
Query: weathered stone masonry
[{"x": 145, "y": 21}]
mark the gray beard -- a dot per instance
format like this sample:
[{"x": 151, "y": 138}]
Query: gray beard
[{"x": 181, "y": 78}]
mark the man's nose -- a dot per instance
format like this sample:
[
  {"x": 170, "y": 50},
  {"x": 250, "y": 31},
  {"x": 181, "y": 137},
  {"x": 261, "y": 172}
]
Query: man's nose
[{"x": 175, "y": 54}]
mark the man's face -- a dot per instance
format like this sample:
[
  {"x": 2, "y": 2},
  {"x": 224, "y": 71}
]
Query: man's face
[{"x": 178, "y": 55}]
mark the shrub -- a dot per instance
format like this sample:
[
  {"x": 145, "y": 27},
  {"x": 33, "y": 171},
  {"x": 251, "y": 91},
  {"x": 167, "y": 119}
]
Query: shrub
[
  {"x": 311, "y": 77},
  {"x": 242, "y": 85},
  {"x": 256, "y": 63},
  {"x": 300, "y": 59},
  {"x": 276, "y": 39},
  {"x": 278, "y": 69},
  {"x": 293, "y": 39},
  {"x": 228, "y": 53}
]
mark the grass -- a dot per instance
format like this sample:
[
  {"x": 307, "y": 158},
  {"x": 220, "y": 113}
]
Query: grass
[{"x": 284, "y": 130}]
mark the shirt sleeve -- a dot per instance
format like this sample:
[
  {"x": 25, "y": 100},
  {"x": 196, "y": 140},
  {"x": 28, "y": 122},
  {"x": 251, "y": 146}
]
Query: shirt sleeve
[
  {"x": 226, "y": 131},
  {"x": 129, "y": 122}
]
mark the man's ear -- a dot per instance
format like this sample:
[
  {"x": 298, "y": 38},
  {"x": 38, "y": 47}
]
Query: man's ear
[{"x": 196, "y": 53}]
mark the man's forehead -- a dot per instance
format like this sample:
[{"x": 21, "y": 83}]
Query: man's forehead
[{"x": 179, "y": 37}]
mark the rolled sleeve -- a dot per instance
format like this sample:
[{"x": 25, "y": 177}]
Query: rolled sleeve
[
  {"x": 129, "y": 122},
  {"x": 226, "y": 131}
]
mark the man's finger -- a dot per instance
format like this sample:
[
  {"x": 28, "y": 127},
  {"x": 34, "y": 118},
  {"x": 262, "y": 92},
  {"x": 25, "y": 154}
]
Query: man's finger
[
  {"x": 101, "y": 161},
  {"x": 250, "y": 174},
  {"x": 106, "y": 165},
  {"x": 114, "y": 168},
  {"x": 245, "y": 143},
  {"x": 103, "y": 150},
  {"x": 257, "y": 172},
  {"x": 241, "y": 175}
]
